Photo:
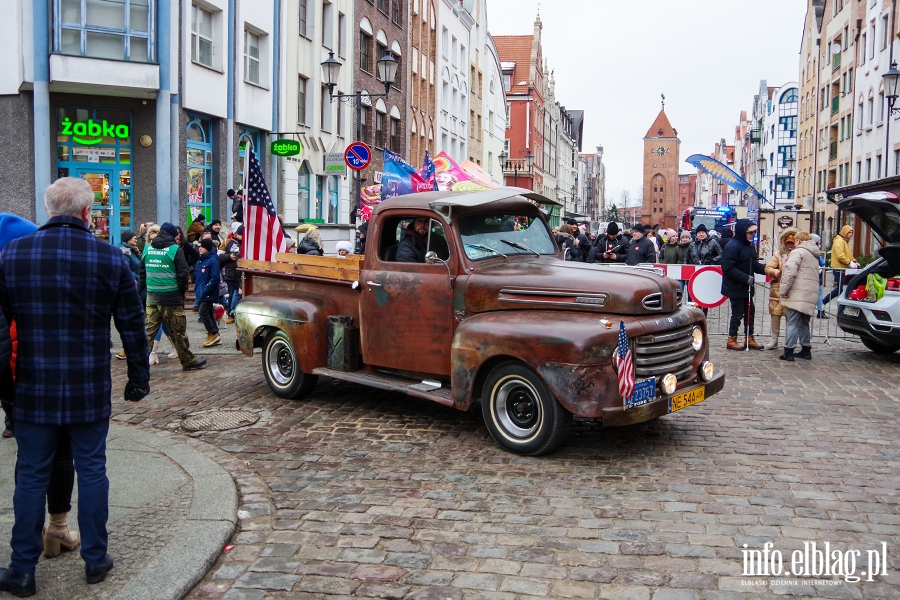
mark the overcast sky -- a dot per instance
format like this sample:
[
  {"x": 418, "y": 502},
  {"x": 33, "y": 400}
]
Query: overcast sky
[{"x": 613, "y": 59}]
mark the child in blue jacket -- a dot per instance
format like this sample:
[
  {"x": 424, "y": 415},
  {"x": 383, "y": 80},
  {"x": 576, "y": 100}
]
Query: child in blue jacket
[{"x": 206, "y": 288}]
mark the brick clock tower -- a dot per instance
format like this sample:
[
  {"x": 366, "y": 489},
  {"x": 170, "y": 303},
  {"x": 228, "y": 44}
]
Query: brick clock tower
[{"x": 661, "y": 160}]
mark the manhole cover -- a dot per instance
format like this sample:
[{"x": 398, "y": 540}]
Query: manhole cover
[{"x": 220, "y": 420}]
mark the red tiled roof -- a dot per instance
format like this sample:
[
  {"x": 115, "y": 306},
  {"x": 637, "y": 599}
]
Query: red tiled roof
[
  {"x": 661, "y": 123},
  {"x": 517, "y": 49}
]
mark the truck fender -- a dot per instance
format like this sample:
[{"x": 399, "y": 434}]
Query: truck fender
[
  {"x": 572, "y": 356},
  {"x": 303, "y": 317}
]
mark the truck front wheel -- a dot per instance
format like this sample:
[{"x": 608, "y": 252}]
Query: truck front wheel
[
  {"x": 520, "y": 412},
  {"x": 283, "y": 374}
]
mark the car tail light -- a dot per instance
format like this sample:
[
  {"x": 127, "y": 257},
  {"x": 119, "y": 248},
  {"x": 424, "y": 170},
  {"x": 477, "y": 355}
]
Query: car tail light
[
  {"x": 881, "y": 315},
  {"x": 893, "y": 284},
  {"x": 859, "y": 293}
]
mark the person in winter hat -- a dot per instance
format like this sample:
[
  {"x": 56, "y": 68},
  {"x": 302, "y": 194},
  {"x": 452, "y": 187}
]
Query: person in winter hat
[
  {"x": 800, "y": 294},
  {"x": 609, "y": 248},
  {"x": 641, "y": 249},
  {"x": 344, "y": 248},
  {"x": 739, "y": 264},
  {"x": 774, "y": 269},
  {"x": 674, "y": 251},
  {"x": 704, "y": 249},
  {"x": 206, "y": 287},
  {"x": 841, "y": 258}
]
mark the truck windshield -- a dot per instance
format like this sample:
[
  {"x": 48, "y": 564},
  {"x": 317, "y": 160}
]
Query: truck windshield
[{"x": 490, "y": 235}]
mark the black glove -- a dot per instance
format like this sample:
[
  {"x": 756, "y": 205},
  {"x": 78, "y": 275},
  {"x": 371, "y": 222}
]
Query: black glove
[{"x": 134, "y": 392}]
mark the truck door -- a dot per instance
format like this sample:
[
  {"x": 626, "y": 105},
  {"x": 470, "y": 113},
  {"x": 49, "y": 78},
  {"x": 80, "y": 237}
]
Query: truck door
[{"x": 407, "y": 307}]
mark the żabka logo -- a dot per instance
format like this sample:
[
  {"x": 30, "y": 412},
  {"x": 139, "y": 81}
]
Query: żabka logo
[
  {"x": 100, "y": 130},
  {"x": 814, "y": 562}
]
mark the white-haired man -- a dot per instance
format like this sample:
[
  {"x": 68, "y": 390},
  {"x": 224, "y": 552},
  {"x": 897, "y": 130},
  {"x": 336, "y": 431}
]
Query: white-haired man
[{"x": 62, "y": 285}]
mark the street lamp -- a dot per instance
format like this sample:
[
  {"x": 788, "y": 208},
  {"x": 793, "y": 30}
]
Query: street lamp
[
  {"x": 385, "y": 72},
  {"x": 891, "y": 78}
]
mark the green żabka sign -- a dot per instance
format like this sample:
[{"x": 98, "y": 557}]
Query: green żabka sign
[
  {"x": 90, "y": 132},
  {"x": 286, "y": 147}
]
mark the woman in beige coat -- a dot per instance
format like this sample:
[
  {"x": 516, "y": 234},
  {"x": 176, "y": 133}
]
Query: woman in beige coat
[
  {"x": 773, "y": 271},
  {"x": 799, "y": 295}
]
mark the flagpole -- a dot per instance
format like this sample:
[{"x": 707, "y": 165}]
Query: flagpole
[{"x": 244, "y": 203}]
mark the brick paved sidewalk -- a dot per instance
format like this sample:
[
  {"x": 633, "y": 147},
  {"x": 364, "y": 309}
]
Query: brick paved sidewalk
[{"x": 360, "y": 493}]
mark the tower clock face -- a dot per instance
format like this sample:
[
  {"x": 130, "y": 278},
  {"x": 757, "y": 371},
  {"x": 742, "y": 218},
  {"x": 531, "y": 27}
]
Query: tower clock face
[{"x": 660, "y": 151}]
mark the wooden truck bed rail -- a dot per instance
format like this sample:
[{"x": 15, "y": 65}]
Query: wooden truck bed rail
[{"x": 326, "y": 267}]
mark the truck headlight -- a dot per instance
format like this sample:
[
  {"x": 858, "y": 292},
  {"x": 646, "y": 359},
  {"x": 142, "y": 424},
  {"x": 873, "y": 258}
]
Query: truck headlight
[
  {"x": 668, "y": 383},
  {"x": 697, "y": 338},
  {"x": 706, "y": 370}
]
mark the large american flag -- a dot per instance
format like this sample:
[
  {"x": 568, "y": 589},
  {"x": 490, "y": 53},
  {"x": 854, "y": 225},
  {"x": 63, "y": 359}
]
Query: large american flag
[
  {"x": 624, "y": 364},
  {"x": 263, "y": 236}
]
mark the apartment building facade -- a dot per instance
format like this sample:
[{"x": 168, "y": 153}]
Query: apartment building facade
[{"x": 156, "y": 121}]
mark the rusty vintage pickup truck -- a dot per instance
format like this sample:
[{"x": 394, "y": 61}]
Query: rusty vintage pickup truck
[{"x": 492, "y": 316}]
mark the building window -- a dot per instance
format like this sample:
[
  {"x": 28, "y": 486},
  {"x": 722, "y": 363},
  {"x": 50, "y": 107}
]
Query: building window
[
  {"x": 415, "y": 60},
  {"x": 398, "y": 76},
  {"x": 380, "y": 130},
  {"x": 868, "y": 169},
  {"x": 201, "y": 36},
  {"x": 383, "y": 6},
  {"x": 863, "y": 46},
  {"x": 885, "y": 31},
  {"x": 896, "y": 162},
  {"x": 880, "y": 108},
  {"x": 303, "y": 14},
  {"x": 301, "y": 101},
  {"x": 325, "y": 117},
  {"x": 251, "y": 57},
  {"x": 395, "y": 136},
  {"x": 198, "y": 134},
  {"x": 328, "y": 25},
  {"x": 365, "y": 122},
  {"x": 365, "y": 52},
  {"x": 507, "y": 81},
  {"x": 396, "y": 12},
  {"x": 97, "y": 28},
  {"x": 342, "y": 38},
  {"x": 339, "y": 122},
  {"x": 877, "y": 166}
]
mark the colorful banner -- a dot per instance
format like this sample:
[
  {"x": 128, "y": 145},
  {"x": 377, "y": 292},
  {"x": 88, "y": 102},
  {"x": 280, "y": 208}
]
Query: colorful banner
[
  {"x": 443, "y": 173},
  {"x": 400, "y": 178}
]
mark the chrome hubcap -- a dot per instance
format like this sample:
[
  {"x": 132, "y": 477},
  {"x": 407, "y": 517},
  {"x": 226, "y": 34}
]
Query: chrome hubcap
[
  {"x": 518, "y": 408},
  {"x": 281, "y": 362}
]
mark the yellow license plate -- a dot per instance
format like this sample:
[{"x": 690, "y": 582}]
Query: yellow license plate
[{"x": 685, "y": 399}]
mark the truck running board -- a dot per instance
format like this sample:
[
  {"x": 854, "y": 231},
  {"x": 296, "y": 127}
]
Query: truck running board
[{"x": 392, "y": 383}]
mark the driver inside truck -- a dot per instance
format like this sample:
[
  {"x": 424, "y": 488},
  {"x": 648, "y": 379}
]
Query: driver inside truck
[{"x": 412, "y": 247}]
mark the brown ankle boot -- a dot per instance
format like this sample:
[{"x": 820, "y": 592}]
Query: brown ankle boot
[
  {"x": 57, "y": 536},
  {"x": 753, "y": 345},
  {"x": 733, "y": 343}
]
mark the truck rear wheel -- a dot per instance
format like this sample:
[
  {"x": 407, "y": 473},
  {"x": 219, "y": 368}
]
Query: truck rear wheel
[
  {"x": 283, "y": 374},
  {"x": 520, "y": 412}
]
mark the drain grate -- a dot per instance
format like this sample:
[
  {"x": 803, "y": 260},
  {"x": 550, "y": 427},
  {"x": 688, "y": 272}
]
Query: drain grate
[{"x": 219, "y": 420}]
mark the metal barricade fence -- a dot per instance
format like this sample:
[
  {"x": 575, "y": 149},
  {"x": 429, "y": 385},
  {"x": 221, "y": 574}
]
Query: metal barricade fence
[{"x": 717, "y": 319}]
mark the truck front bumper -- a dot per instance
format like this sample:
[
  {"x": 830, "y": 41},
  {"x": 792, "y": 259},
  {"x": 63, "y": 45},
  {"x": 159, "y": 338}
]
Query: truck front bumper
[{"x": 619, "y": 415}]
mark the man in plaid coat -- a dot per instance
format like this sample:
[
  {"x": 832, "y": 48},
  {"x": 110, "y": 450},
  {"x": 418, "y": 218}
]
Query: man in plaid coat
[{"x": 62, "y": 285}]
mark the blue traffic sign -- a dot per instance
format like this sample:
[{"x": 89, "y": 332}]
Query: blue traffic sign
[{"x": 358, "y": 156}]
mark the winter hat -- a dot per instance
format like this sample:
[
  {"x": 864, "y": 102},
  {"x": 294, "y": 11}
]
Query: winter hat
[
  {"x": 215, "y": 222},
  {"x": 201, "y": 218},
  {"x": 612, "y": 228},
  {"x": 208, "y": 244},
  {"x": 701, "y": 227},
  {"x": 671, "y": 233},
  {"x": 304, "y": 227},
  {"x": 239, "y": 230},
  {"x": 12, "y": 227},
  {"x": 816, "y": 239},
  {"x": 170, "y": 229},
  {"x": 639, "y": 228},
  {"x": 727, "y": 234},
  {"x": 571, "y": 221},
  {"x": 127, "y": 236},
  {"x": 686, "y": 235},
  {"x": 344, "y": 245}
]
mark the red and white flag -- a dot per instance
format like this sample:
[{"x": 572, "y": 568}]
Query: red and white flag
[
  {"x": 624, "y": 364},
  {"x": 263, "y": 236}
]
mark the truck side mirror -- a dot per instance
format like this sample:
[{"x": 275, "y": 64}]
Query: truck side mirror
[{"x": 431, "y": 258}]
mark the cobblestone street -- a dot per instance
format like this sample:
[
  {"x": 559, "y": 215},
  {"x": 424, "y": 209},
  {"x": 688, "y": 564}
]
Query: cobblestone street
[{"x": 355, "y": 492}]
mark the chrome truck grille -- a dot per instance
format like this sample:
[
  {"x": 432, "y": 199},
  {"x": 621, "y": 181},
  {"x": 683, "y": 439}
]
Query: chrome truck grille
[{"x": 662, "y": 353}]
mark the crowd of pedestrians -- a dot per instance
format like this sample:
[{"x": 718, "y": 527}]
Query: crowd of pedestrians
[{"x": 793, "y": 266}]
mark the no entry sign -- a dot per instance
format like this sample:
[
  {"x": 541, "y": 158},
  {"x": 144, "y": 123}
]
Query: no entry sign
[
  {"x": 358, "y": 156},
  {"x": 705, "y": 287}
]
